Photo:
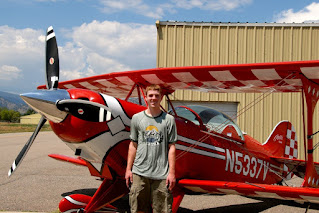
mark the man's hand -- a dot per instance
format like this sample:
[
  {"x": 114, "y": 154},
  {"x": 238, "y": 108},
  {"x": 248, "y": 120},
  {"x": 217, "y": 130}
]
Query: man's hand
[
  {"x": 129, "y": 178},
  {"x": 130, "y": 159},
  {"x": 170, "y": 181}
]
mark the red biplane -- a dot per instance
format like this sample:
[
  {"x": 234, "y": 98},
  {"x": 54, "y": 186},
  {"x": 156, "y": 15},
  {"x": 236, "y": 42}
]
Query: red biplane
[{"x": 92, "y": 116}]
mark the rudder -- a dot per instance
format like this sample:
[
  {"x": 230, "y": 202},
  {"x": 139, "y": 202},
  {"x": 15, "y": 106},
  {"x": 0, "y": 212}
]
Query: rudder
[{"x": 282, "y": 142}]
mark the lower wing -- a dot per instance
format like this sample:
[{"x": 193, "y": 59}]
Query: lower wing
[
  {"x": 299, "y": 194},
  {"x": 76, "y": 161}
]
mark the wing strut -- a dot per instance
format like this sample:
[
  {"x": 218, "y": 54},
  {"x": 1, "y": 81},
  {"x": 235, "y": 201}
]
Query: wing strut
[
  {"x": 139, "y": 91},
  {"x": 139, "y": 94},
  {"x": 311, "y": 94},
  {"x": 171, "y": 104},
  {"x": 130, "y": 93},
  {"x": 304, "y": 123}
]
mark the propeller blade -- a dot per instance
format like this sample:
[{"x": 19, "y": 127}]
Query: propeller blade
[
  {"x": 52, "y": 60},
  {"x": 85, "y": 110},
  {"x": 26, "y": 147}
]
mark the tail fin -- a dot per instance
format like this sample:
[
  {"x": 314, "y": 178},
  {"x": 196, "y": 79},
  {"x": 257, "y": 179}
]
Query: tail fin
[{"x": 282, "y": 142}]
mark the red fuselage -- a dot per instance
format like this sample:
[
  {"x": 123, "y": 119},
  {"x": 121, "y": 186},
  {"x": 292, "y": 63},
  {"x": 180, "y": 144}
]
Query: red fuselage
[{"x": 201, "y": 154}]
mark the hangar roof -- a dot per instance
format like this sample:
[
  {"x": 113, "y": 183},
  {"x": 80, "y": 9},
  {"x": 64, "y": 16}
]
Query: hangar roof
[{"x": 248, "y": 24}]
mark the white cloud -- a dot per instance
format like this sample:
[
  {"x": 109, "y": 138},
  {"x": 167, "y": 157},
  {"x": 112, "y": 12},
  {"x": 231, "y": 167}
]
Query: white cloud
[
  {"x": 21, "y": 58},
  {"x": 123, "y": 4},
  {"x": 104, "y": 64},
  {"x": 48, "y": 0},
  {"x": 23, "y": 40},
  {"x": 9, "y": 72},
  {"x": 211, "y": 4},
  {"x": 104, "y": 47},
  {"x": 138, "y": 6},
  {"x": 158, "y": 11},
  {"x": 93, "y": 64},
  {"x": 90, "y": 49},
  {"x": 307, "y": 14}
]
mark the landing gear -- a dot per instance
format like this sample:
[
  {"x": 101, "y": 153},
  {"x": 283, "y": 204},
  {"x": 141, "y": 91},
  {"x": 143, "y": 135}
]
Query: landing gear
[
  {"x": 80, "y": 210},
  {"x": 307, "y": 208}
]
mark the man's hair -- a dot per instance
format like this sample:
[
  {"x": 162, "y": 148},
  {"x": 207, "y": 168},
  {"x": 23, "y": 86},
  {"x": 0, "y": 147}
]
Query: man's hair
[{"x": 154, "y": 87}]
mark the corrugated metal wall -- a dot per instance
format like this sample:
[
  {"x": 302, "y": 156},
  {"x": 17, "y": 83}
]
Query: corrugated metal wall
[{"x": 192, "y": 44}]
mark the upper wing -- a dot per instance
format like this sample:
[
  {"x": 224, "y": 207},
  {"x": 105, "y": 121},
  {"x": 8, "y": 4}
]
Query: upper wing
[
  {"x": 252, "y": 190},
  {"x": 262, "y": 77}
]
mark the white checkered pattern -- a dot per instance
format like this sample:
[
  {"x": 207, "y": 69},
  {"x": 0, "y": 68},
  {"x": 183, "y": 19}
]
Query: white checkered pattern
[{"x": 291, "y": 149}]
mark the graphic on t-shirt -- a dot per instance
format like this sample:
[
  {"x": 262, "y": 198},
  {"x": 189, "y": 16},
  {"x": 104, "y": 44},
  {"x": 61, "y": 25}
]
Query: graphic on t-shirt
[{"x": 152, "y": 136}]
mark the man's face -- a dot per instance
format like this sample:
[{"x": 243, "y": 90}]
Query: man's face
[{"x": 153, "y": 99}]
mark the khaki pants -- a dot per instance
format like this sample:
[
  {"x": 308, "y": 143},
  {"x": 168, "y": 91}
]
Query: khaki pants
[{"x": 147, "y": 194}]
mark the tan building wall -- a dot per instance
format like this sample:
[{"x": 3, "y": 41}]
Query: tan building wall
[{"x": 193, "y": 44}]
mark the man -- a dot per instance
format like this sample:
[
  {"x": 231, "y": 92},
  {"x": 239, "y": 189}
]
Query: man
[{"x": 151, "y": 157}]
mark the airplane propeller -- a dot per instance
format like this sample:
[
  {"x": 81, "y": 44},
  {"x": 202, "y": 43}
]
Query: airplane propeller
[
  {"x": 52, "y": 79},
  {"x": 54, "y": 104}
]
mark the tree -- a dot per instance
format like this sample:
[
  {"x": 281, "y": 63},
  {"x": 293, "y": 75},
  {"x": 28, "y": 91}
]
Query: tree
[
  {"x": 30, "y": 112},
  {"x": 15, "y": 116},
  {"x": 9, "y": 115}
]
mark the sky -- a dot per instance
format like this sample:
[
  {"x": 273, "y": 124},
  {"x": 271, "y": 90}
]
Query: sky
[{"x": 102, "y": 36}]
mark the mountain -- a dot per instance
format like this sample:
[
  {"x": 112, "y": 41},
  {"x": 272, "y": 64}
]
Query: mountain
[{"x": 13, "y": 101}]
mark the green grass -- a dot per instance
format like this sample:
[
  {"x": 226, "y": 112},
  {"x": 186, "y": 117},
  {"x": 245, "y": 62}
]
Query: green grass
[{"x": 6, "y": 127}]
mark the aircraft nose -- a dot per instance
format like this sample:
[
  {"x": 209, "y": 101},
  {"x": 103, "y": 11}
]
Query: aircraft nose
[{"x": 43, "y": 102}]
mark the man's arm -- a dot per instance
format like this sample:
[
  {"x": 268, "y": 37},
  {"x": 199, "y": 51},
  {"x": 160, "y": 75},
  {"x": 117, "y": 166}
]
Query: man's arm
[
  {"x": 130, "y": 160},
  {"x": 171, "y": 180}
]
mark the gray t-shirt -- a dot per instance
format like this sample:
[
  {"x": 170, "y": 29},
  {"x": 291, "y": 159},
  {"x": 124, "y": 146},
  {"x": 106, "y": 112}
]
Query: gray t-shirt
[{"x": 152, "y": 135}]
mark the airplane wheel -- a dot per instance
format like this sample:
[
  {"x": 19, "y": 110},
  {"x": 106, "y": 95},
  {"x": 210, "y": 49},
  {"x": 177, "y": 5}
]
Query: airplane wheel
[
  {"x": 80, "y": 211},
  {"x": 74, "y": 203}
]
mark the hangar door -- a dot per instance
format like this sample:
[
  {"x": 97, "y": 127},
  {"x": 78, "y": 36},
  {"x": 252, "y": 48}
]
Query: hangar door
[{"x": 228, "y": 108}]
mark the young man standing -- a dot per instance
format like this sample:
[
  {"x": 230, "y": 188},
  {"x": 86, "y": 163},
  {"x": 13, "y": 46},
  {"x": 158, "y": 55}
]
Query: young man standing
[{"x": 151, "y": 157}]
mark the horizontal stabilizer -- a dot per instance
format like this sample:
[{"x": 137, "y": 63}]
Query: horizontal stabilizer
[
  {"x": 298, "y": 167},
  {"x": 299, "y": 194},
  {"x": 76, "y": 161}
]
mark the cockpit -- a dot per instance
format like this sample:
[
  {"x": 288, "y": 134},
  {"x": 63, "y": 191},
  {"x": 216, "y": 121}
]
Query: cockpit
[{"x": 210, "y": 120}]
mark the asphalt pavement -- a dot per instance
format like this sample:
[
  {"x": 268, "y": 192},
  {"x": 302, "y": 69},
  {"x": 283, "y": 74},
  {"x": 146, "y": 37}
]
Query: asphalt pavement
[{"x": 41, "y": 182}]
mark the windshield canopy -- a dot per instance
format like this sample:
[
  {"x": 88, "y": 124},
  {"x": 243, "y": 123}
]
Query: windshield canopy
[{"x": 212, "y": 119}]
